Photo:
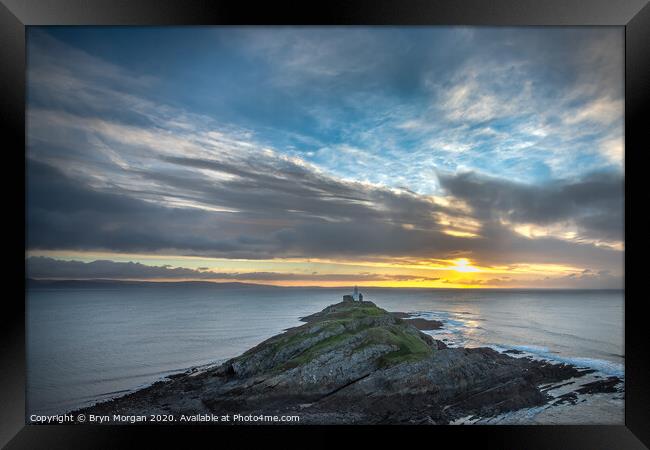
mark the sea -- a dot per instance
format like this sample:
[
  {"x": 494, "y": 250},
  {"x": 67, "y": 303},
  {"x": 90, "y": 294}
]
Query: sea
[{"x": 92, "y": 343}]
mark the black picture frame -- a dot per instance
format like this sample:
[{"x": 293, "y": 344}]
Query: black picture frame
[{"x": 15, "y": 15}]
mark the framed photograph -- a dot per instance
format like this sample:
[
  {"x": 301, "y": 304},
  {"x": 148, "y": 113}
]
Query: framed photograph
[{"x": 324, "y": 220}]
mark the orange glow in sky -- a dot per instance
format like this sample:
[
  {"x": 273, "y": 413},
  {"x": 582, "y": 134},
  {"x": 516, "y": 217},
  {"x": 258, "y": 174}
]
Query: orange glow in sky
[{"x": 439, "y": 273}]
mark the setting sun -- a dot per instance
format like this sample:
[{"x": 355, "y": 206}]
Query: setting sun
[{"x": 463, "y": 265}]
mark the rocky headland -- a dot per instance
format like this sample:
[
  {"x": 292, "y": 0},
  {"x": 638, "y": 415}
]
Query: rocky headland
[{"x": 355, "y": 363}]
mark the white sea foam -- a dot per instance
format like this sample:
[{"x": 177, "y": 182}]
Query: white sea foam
[
  {"x": 460, "y": 331},
  {"x": 605, "y": 367}
]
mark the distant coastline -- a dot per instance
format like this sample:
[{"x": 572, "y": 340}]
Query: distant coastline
[
  {"x": 35, "y": 283},
  {"x": 94, "y": 283}
]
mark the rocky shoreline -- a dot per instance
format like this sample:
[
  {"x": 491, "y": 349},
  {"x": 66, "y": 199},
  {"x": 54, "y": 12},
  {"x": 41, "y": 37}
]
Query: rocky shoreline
[{"x": 355, "y": 363}]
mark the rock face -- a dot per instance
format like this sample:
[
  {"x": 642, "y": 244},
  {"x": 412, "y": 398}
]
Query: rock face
[{"x": 352, "y": 363}]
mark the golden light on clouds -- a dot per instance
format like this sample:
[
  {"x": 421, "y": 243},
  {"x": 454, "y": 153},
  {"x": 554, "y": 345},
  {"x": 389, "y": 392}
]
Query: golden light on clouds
[
  {"x": 561, "y": 231},
  {"x": 462, "y": 272},
  {"x": 564, "y": 231},
  {"x": 463, "y": 234},
  {"x": 458, "y": 226}
]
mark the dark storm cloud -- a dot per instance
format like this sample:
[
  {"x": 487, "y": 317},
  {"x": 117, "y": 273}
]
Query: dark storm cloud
[
  {"x": 594, "y": 203},
  {"x": 294, "y": 192},
  {"x": 64, "y": 213},
  {"x": 40, "y": 267},
  {"x": 277, "y": 213}
]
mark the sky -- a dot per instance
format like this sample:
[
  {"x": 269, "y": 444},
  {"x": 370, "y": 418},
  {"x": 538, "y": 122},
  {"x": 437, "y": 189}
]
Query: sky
[{"x": 327, "y": 156}]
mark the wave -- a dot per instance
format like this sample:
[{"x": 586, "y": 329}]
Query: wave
[
  {"x": 456, "y": 329},
  {"x": 603, "y": 366}
]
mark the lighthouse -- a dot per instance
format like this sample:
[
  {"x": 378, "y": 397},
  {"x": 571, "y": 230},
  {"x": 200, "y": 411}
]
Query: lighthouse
[{"x": 355, "y": 297}]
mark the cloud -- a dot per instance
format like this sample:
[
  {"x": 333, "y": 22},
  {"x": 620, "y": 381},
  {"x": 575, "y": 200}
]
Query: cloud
[
  {"x": 411, "y": 100},
  {"x": 271, "y": 211},
  {"x": 39, "y": 267},
  {"x": 594, "y": 203},
  {"x": 312, "y": 53},
  {"x": 535, "y": 105}
]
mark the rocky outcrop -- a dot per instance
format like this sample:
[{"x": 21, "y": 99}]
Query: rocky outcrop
[{"x": 353, "y": 363}]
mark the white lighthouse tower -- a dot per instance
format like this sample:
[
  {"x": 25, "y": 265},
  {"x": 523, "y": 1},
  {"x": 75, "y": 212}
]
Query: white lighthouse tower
[{"x": 355, "y": 294}]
